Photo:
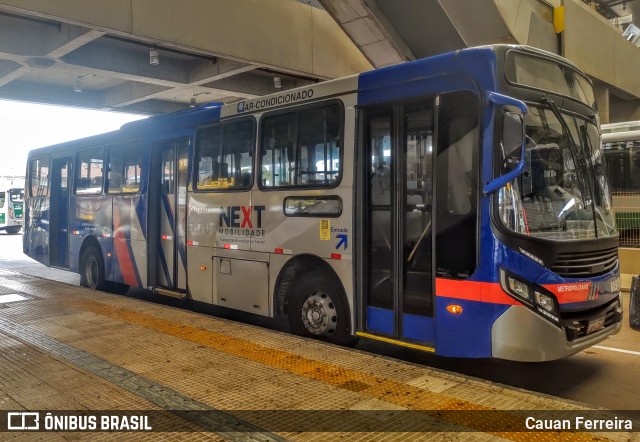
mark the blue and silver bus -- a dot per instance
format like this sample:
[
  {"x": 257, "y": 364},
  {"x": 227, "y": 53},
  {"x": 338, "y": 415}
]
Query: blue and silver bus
[{"x": 454, "y": 204}]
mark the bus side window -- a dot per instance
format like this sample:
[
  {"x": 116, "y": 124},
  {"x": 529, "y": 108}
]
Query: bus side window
[
  {"x": 90, "y": 171},
  {"x": 125, "y": 167},
  {"x": 208, "y": 146},
  {"x": 302, "y": 148},
  {"x": 237, "y": 154},
  {"x": 224, "y": 154},
  {"x": 2, "y": 197}
]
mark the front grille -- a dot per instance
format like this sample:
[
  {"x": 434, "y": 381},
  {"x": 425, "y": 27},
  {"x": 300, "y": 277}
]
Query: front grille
[
  {"x": 576, "y": 325},
  {"x": 583, "y": 264}
]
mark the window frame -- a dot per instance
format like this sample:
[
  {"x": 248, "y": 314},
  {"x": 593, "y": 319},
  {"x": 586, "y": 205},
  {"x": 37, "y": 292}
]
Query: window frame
[
  {"x": 109, "y": 150},
  {"x": 337, "y": 198},
  {"x": 77, "y": 166},
  {"x": 195, "y": 168},
  {"x": 297, "y": 109}
]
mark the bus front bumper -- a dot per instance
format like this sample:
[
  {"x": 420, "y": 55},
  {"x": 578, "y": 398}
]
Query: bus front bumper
[{"x": 520, "y": 334}]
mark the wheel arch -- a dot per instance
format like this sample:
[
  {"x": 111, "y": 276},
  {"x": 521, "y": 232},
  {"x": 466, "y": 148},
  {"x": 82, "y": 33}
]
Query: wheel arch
[
  {"x": 292, "y": 271},
  {"x": 88, "y": 241}
]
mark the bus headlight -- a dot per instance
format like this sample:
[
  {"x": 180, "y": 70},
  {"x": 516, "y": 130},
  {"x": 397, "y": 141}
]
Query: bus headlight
[
  {"x": 532, "y": 296},
  {"x": 545, "y": 301},
  {"x": 547, "y": 306},
  {"x": 519, "y": 288},
  {"x": 515, "y": 287}
]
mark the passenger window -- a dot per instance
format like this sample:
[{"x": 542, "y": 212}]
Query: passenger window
[
  {"x": 2, "y": 197},
  {"x": 224, "y": 154},
  {"x": 90, "y": 172},
  {"x": 125, "y": 167},
  {"x": 39, "y": 176},
  {"x": 302, "y": 148}
]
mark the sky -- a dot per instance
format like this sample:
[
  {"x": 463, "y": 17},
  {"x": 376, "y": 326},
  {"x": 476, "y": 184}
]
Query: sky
[{"x": 25, "y": 126}]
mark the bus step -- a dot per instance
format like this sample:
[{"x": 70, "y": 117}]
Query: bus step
[{"x": 167, "y": 292}]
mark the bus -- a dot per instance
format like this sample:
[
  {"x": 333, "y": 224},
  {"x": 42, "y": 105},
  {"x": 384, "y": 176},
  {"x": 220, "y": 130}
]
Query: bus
[
  {"x": 621, "y": 144},
  {"x": 11, "y": 207},
  {"x": 454, "y": 204}
]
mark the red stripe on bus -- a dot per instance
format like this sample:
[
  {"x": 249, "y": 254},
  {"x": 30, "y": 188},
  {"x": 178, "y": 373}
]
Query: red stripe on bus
[
  {"x": 568, "y": 293},
  {"x": 118, "y": 230},
  {"x": 122, "y": 252},
  {"x": 490, "y": 292}
]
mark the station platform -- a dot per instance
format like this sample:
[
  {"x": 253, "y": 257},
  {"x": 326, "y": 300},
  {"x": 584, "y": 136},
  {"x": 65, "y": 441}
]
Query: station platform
[{"x": 198, "y": 377}]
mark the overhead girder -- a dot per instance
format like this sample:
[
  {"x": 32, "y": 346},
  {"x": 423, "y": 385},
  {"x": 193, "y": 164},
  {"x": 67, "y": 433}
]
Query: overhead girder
[
  {"x": 79, "y": 52},
  {"x": 59, "y": 49}
]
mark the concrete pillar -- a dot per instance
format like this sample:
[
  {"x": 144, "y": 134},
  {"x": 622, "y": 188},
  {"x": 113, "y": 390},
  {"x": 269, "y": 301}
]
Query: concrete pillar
[
  {"x": 624, "y": 110},
  {"x": 602, "y": 98}
]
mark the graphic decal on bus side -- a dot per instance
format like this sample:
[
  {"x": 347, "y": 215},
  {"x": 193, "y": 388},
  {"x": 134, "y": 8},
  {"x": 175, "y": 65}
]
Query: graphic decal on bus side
[
  {"x": 167, "y": 220},
  {"x": 325, "y": 230},
  {"x": 176, "y": 233},
  {"x": 241, "y": 224},
  {"x": 263, "y": 103},
  {"x": 123, "y": 253}
]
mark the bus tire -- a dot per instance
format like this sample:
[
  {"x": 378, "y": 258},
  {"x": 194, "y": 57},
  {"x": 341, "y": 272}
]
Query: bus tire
[
  {"x": 92, "y": 269},
  {"x": 13, "y": 230},
  {"x": 318, "y": 309}
]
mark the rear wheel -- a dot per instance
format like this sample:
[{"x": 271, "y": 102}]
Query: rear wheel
[
  {"x": 13, "y": 230},
  {"x": 318, "y": 309},
  {"x": 92, "y": 269}
]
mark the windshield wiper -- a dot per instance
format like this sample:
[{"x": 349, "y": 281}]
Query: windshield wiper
[
  {"x": 587, "y": 142},
  {"x": 578, "y": 160}
]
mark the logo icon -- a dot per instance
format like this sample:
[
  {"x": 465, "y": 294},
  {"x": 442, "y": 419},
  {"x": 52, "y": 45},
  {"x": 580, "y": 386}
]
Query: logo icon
[
  {"x": 23, "y": 420},
  {"x": 241, "y": 106}
]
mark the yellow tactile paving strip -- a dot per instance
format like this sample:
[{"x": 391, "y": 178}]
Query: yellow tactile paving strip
[
  {"x": 61, "y": 386},
  {"x": 380, "y": 392},
  {"x": 404, "y": 395}
]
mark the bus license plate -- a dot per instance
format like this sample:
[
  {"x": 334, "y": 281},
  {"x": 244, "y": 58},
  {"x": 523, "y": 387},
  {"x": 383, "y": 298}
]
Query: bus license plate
[{"x": 595, "y": 325}]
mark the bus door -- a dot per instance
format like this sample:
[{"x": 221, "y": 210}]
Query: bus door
[
  {"x": 171, "y": 213},
  {"x": 397, "y": 238},
  {"x": 419, "y": 207},
  {"x": 59, "y": 212}
]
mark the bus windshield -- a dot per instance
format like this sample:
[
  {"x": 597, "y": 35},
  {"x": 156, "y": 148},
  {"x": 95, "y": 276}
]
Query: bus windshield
[
  {"x": 562, "y": 194},
  {"x": 16, "y": 195}
]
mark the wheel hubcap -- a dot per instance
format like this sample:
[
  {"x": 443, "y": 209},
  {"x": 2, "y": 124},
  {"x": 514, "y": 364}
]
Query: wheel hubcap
[{"x": 319, "y": 314}]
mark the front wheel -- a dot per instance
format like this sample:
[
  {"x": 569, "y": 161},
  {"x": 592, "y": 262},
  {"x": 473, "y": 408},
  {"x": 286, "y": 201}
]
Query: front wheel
[
  {"x": 318, "y": 309},
  {"x": 13, "y": 230},
  {"x": 92, "y": 269}
]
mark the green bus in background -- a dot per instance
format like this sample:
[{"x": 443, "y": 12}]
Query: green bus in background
[{"x": 11, "y": 208}]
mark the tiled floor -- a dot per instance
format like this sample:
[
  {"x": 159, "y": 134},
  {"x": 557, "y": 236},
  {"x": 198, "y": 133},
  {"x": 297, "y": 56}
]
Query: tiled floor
[{"x": 67, "y": 348}]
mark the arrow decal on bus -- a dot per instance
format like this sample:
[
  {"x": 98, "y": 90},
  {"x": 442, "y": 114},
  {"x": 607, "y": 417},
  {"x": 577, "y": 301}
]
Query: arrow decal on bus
[{"x": 344, "y": 239}]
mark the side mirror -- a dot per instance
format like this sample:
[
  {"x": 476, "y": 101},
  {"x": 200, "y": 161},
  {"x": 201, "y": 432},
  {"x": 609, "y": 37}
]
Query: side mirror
[
  {"x": 513, "y": 138},
  {"x": 512, "y": 133}
]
